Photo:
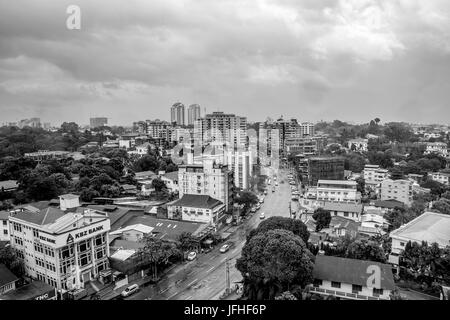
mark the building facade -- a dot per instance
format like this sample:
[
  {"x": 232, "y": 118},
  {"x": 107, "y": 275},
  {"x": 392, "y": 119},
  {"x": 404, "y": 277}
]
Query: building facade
[
  {"x": 325, "y": 168},
  {"x": 64, "y": 250},
  {"x": 177, "y": 114},
  {"x": 400, "y": 190},
  {"x": 194, "y": 113},
  {"x": 197, "y": 208},
  {"x": 374, "y": 175},
  {"x": 98, "y": 122},
  {"x": 338, "y": 190},
  {"x": 440, "y": 177}
]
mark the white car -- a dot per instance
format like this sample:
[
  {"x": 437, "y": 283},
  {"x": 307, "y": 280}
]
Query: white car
[
  {"x": 224, "y": 248},
  {"x": 192, "y": 255},
  {"x": 130, "y": 290},
  {"x": 262, "y": 215}
]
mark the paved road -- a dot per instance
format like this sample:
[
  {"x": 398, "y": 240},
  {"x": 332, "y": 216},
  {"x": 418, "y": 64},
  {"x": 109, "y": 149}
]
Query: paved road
[{"x": 205, "y": 278}]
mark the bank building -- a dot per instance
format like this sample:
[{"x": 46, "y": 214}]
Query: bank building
[{"x": 64, "y": 249}]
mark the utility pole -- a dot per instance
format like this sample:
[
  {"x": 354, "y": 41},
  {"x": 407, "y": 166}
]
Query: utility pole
[{"x": 228, "y": 275}]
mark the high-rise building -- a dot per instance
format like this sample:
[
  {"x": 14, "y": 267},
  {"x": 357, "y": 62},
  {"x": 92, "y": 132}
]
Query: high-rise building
[
  {"x": 98, "y": 122},
  {"x": 177, "y": 114},
  {"x": 307, "y": 128},
  {"x": 194, "y": 113},
  {"x": 223, "y": 128},
  {"x": 159, "y": 129}
]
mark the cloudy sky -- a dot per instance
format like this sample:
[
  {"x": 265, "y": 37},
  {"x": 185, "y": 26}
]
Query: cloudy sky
[{"x": 309, "y": 59}]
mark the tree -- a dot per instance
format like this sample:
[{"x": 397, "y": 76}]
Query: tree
[
  {"x": 187, "y": 242},
  {"x": 9, "y": 258},
  {"x": 272, "y": 262},
  {"x": 361, "y": 185},
  {"x": 297, "y": 227},
  {"x": 437, "y": 188},
  {"x": 158, "y": 252},
  {"x": 322, "y": 218},
  {"x": 366, "y": 250},
  {"x": 247, "y": 199},
  {"x": 287, "y": 295},
  {"x": 442, "y": 205},
  {"x": 158, "y": 184}
]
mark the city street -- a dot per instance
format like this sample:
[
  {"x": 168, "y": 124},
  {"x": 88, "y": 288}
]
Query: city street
[{"x": 205, "y": 278}]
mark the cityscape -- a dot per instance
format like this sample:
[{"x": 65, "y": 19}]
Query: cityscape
[{"x": 203, "y": 199}]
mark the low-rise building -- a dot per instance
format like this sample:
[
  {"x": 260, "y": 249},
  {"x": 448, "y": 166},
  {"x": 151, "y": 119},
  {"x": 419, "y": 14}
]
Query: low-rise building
[
  {"x": 440, "y": 177},
  {"x": 346, "y": 210},
  {"x": 374, "y": 175},
  {"x": 338, "y": 190},
  {"x": 135, "y": 232},
  {"x": 62, "y": 249},
  {"x": 197, "y": 208},
  {"x": 437, "y": 147},
  {"x": 358, "y": 144},
  {"x": 429, "y": 227},
  {"x": 400, "y": 190},
  {"x": 8, "y": 186},
  {"x": 341, "y": 227},
  {"x": 36, "y": 290},
  {"x": 352, "y": 279},
  {"x": 170, "y": 179},
  {"x": 7, "y": 280}
]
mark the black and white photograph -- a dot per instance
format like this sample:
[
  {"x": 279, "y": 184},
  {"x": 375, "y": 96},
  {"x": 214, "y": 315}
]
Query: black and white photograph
[{"x": 225, "y": 154}]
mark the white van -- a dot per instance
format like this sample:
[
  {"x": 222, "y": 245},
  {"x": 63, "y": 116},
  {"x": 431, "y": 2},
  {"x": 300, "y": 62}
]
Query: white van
[{"x": 130, "y": 290}]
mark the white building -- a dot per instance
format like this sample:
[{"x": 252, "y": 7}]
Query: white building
[
  {"x": 429, "y": 226},
  {"x": 69, "y": 201},
  {"x": 437, "y": 147},
  {"x": 358, "y": 144},
  {"x": 4, "y": 226},
  {"x": 307, "y": 128},
  {"x": 346, "y": 210},
  {"x": 240, "y": 163},
  {"x": 209, "y": 178},
  {"x": 348, "y": 279},
  {"x": 440, "y": 177},
  {"x": 64, "y": 250},
  {"x": 197, "y": 208},
  {"x": 374, "y": 175},
  {"x": 400, "y": 190},
  {"x": 135, "y": 232},
  {"x": 170, "y": 179},
  {"x": 194, "y": 113},
  {"x": 338, "y": 190}
]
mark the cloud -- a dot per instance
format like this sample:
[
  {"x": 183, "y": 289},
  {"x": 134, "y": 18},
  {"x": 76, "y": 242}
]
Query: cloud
[{"x": 131, "y": 60}]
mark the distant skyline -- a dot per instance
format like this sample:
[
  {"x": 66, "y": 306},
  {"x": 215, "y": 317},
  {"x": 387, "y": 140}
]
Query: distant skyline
[{"x": 313, "y": 60}]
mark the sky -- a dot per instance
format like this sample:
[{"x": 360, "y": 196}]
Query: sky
[{"x": 313, "y": 60}]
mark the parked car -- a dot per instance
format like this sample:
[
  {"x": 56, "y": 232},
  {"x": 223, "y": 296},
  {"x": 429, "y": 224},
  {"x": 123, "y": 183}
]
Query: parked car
[
  {"x": 262, "y": 215},
  {"x": 130, "y": 290},
  {"x": 192, "y": 255},
  {"x": 225, "y": 248},
  {"x": 253, "y": 210}
]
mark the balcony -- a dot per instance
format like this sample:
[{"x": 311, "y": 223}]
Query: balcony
[{"x": 352, "y": 296}]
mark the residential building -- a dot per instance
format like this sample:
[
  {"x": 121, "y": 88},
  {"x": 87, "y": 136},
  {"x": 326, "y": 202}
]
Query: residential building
[
  {"x": 7, "y": 280},
  {"x": 372, "y": 225},
  {"x": 440, "y": 177},
  {"x": 133, "y": 233},
  {"x": 4, "y": 225},
  {"x": 431, "y": 227},
  {"x": 98, "y": 122},
  {"x": 64, "y": 250},
  {"x": 341, "y": 227},
  {"x": 351, "y": 279},
  {"x": 325, "y": 168},
  {"x": 47, "y": 155},
  {"x": 388, "y": 205},
  {"x": 222, "y": 128},
  {"x": 358, "y": 144},
  {"x": 209, "y": 178},
  {"x": 197, "y": 208},
  {"x": 307, "y": 146},
  {"x": 171, "y": 180},
  {"x": 194, "y": 113},
  {"x": 437, "y": 147},
  {"x": 374, "y": 175},
  {"x": 351, "y": 211},
  {"x": 338, "y": 190},
  {"x": 159, "y": 129},
  {"x": 177, "y": 114},
  {"x": 400, "y": 190},
  {"x": 241, "y": 164},
  {"x": 307, "y": 129}
]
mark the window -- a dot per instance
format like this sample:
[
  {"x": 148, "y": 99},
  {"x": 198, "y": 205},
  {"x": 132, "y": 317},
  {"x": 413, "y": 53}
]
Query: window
[
  {"x": 377, "y": 292},
  {"x": 402, "y": 244},
  {"x": 5, "y": 232},
  {"x": 356, "y": 288},
  {"x": 345, "y": 214},
  {"x": 5, "y": 222},
  {"x": 335, "y": 284},
  {"x": 317, "y": 282}
]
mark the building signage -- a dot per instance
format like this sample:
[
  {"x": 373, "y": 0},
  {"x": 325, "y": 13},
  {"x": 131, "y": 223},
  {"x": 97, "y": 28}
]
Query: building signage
[
  {"x": 47, "y": 239},
  {"x": 46, "y": 296},
  {"x": 89, "y": 231}
]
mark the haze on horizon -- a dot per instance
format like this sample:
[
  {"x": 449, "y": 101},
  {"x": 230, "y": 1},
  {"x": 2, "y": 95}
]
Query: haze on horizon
[{"x": 352, "y": 60}]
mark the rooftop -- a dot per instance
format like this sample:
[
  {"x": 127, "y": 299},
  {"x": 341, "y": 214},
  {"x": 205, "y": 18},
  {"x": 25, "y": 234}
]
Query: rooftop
[
  {"x": 137, "y": 227},
  {"x": 345, "y": 207},
  {"x": 30, "y": 291},
  {"x": 337, "y": 182},
  {"x": 197, "y": 201},
  {"x": 8, "y": 184},
  {"x": 41, "y": 217},
  {"x": 6, "y": 276},
  {"x": 350, "y": 271},
  {"x": 69, "y": 196},
  {"x": 171, "y": 175},
  {"x": 429, "y": 226},
  {"x": 389, "y": 204}
]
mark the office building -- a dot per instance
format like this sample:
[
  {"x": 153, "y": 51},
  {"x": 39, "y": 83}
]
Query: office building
[
  {"x": 177, "y": 114},
  {"x": 325, "y": 168},
  {"x": 194, "y": 113},
  {"x": 307, "y": 129},
  {"x": 400, "y": 190},
  {"x": 98, "y": 122},
  {"x": 64, "y": 250}
]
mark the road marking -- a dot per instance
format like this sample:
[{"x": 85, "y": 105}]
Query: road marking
[
  {"x": 172, "y": 295},
  {"x": 190, "y": 284},
  {"x": 225, "y": 259},
  {"x": 189, "y": 298},
  {"x": 164, "y": 290},
  {"x": 212, "y": 258},
  {"x": 210, "y": 270},
  {"x": 234, "y": 251}
]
